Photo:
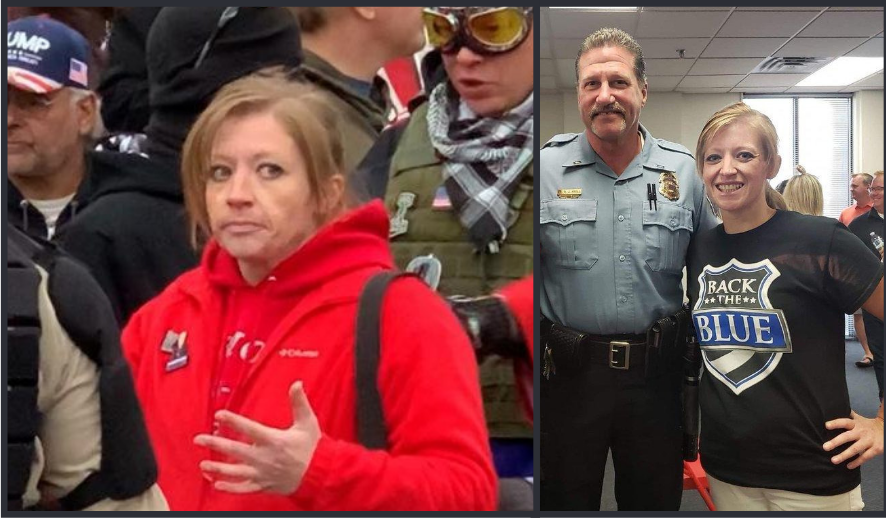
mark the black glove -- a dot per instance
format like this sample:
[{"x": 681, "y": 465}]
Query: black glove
[{"x": 490, "y": 325}]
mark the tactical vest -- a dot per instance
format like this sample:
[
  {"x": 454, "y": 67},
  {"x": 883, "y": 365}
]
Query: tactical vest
[
  {"x": 127, "y": 466},
  {"x": 416, "y": 174}
]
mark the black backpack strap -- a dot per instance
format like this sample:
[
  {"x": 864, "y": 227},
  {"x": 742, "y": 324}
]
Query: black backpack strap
[
  {"x": 23, "y": 364},
  {"x": 371, "y": 429}
]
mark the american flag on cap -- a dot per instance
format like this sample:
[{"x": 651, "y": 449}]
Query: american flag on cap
[{"x": 78, "y": 72}]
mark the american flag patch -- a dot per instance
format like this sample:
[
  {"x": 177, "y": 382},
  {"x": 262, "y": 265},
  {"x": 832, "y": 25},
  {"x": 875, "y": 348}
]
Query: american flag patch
[
  {"x": 441, "y": 199},
  {"x": 78, "y": 72}
]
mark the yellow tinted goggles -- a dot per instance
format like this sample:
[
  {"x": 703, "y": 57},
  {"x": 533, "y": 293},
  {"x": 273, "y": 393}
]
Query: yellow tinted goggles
[{"x": 490, "y": 31}]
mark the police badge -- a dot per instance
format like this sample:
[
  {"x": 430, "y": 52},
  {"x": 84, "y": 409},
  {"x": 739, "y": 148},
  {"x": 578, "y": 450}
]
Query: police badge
[{"x": 668, "y": 186}]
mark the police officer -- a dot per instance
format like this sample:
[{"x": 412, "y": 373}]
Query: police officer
[
  {"x": 76, "y": 438},
  {"x": 618, "y": 209}
]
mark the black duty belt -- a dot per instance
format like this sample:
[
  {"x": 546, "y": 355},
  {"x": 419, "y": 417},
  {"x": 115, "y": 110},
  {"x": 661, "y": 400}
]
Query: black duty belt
[
  {"x": 571, "y": 348},
  {"x": 615, "y": 351}
]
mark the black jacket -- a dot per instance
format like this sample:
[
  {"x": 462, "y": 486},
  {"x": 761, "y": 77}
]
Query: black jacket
[
  {"x": 124, "y": 84},
  {"x": 133, "y": 234},
  {"x": 24, "y": 216}
]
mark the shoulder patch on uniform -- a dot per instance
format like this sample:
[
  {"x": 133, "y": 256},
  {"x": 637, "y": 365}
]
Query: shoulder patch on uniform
[
  {"x": 673, "y": 146},
  {"x": 559, "y": 140}
]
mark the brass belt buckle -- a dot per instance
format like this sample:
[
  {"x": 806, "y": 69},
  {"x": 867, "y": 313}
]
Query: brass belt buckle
[{"x": 619, "y": 355}]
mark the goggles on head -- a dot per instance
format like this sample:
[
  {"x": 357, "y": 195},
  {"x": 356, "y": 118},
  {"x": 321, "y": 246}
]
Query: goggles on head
[{"x": 483, "y": 30}]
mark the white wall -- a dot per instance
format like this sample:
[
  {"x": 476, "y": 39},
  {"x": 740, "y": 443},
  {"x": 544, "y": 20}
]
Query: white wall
[
  {"x": 679, "y": 117},
  {"x": 867, "y": 128},
  {"x": 668, "y": 115},
  {"x": 551, "y": 120}
]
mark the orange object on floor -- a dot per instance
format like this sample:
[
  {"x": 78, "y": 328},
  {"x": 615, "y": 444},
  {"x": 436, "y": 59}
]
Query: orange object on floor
[{"x": 694, "y": 477}]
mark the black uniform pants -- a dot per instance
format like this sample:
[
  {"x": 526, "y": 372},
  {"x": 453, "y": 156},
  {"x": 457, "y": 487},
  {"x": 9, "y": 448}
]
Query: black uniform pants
[
  {"x": 874, "y": 329},
  {"x": 586, "y": 414}
]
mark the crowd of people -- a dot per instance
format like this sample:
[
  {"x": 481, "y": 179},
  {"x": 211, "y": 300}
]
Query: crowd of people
[
  {"x": 761, "y": 342},
  {"x": 320, "y": 309}
]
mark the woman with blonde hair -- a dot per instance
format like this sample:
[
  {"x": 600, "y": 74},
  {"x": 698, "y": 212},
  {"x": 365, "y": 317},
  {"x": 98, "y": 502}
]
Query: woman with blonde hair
[
  {"x": 246, "y": 366},
  {"x": 803, "y": 193},
  {"x": 769, "y": 289}
]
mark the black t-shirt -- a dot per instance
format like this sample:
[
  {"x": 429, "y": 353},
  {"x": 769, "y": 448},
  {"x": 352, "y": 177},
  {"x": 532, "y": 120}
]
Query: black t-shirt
[
  {"x": 768, "y": 308},
  {"x": 863, "y": 225}
]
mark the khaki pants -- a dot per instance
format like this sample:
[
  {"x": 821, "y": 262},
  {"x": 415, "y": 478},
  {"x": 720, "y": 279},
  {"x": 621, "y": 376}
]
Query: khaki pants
[{"x": 728, "y": 497}]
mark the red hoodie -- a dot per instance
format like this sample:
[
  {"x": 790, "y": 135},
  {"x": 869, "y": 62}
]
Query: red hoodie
[
  {"x": 305, "y": 313},
  {"x": 518, "y": 296}
]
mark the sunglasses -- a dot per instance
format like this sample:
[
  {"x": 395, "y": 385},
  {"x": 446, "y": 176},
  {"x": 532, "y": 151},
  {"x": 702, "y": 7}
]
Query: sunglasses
[{"x": 488, "y": 31}]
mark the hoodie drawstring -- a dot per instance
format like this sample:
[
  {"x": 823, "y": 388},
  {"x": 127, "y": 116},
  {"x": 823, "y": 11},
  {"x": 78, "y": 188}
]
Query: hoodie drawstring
[{"x": 24, "y": 206}]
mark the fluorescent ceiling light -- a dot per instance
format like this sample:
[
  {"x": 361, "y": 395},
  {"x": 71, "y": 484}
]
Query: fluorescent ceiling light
[
  {"x": 843, "y": 72},
  {"x": 598, "y": 8}
]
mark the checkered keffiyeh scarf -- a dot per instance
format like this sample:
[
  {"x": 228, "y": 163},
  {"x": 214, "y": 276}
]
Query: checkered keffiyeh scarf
[{"x": 484, "y": 161}]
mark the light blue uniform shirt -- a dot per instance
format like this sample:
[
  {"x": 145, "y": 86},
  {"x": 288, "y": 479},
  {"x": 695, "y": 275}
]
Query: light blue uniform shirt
[{"x": 611, "y": 264}]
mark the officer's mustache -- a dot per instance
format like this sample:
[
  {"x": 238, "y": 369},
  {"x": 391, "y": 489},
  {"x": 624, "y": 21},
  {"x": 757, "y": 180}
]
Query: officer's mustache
[{"x": 609, "y": 108}]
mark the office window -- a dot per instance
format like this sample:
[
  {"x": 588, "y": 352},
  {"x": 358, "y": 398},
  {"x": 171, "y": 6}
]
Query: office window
[{"x": 815, "y": 132}]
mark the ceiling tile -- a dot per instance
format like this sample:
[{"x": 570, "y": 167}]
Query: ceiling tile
[
  {"x": 855, "y": 8},
  {"x": 547, "y": 83},
  {"x": 875, "y": 81},
  {"x": 708, "y": 67},
  {"x": 665, "y": 24},
  {"x": 578, "y": 24},
  {"x": 566, "y": 71},
  {"x": 742, "y": 47},
  {"x": 721, "y": 90},
  {"x": 811, "y": 90},
  {"x": 667, "y": 67},
  {"x": 780, "y": 8},
  {"x": 762, "y": 80},
  {"x": 544, "y": 23},
  {"x": 765, "y": 23},
  {"x": 567, "y": 48},
  {"x": 765, "y": 90},
  {"x": 710, "y": 81},
  {"x": 819, "y": 47},
  {"x": 844, "y": 24},
  {"x": 667, "y": 47},
  {"x": 663, "y": 83},
  {"x": 706, "y": 8},
  {"x": 546, "y": 67},
  {"x": 873, "y": 48},
  {"x": 545, "y": 49}
]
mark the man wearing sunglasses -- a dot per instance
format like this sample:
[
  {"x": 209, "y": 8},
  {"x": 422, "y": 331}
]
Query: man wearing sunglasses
[
  {"x": 344, "y": 48},
  {"x": 460, "y": 188},
  {"x": 867, "y": 227},
  {"x": 50, "y": 115},
  {"x": 618, "y": 210}
]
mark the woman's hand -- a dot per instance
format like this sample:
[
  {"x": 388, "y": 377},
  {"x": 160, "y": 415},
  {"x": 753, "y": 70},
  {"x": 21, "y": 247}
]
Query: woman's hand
[
  {"x": 272, "y": 460},
  {"x": 865, "y": 434}
]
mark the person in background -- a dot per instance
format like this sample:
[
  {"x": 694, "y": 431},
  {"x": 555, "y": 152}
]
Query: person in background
[
  {"x": 768, "y": 315},
  {"x": 859, "y": 186},
  {"x": 859, "y": 190},
  {"x": 124, "y": 81},
  {"x": 329, "y": 37},
  {"x": 803, "y": 193},
  {"x": 869, "y": 228},
  {"x": 256, "y": 345},
  {"x": 51, "y": 113},
  {"x": 76, "y": 436}
]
